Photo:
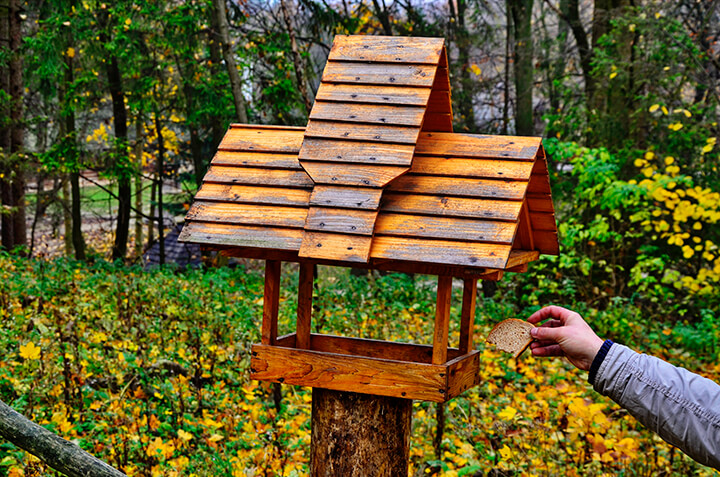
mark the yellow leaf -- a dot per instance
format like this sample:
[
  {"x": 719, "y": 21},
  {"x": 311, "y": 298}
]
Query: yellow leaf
[
  {"x": 613, "y": 74},
  {"x": 215, "y": 438},
  {"x": 675, "y": 126},
  {"x": 70, "y": 52},
  {"x": 508, "y": 413},
  {"x": 669, "y": 160},
  {"x": 30, "y": 351},
  {"x": 654, "y": 108},
  {"x": 184, "y": 435},
  {"x": 707, "y": 148},
  {"x": 128, "y": 21},
  {"x": 505, "y": 452},
  {"x": 665, "y": 111}
]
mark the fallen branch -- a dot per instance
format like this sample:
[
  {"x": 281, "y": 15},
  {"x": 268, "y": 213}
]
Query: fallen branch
[{"x": 61, "y": 455}]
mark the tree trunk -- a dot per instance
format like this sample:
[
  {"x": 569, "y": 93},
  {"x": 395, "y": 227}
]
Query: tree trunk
[
  {"x": 235, "y": 81},
  {"x": 214, "y": 45},
  {"x": 297, "y": 59},
  {"x": 521, "y": 12},
  {"x": 160, "y": 172},
  {"x": 381, "y": 12},
  {"x": 138, "y": 186},
  {"x": 356, "y": 435},
  {"x": 67, "y": 216},
  {"x": 61, "y": 455},
  {"x": 461, "y": 37}
]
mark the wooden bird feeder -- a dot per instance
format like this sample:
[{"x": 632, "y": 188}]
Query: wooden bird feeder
[{"x": 377, "y": 180}]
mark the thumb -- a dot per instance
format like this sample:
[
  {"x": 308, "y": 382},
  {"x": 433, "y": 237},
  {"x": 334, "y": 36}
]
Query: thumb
[{"x": 547, "y": 334}]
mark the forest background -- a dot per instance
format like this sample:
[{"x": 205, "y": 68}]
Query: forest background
[{"x": 111, "y": 111}]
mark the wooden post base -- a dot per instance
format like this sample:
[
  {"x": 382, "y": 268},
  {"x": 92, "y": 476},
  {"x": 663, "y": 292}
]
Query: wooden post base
[{"x": 359, "y": 435}]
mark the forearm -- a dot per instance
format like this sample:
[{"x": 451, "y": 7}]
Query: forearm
[{"x": 681, "y": 407}]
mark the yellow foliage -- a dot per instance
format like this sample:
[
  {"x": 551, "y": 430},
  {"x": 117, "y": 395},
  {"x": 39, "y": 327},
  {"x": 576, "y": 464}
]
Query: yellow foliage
[{"x": 30, "y": 351}]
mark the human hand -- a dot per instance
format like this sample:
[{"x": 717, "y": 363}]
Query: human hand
[{"x": 564, "y": 334}]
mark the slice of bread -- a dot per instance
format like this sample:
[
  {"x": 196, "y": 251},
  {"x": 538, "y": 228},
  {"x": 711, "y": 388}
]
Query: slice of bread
[{"x": 511, "y": 335}]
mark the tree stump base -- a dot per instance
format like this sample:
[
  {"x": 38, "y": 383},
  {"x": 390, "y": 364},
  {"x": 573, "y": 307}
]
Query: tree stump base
[{"x": 359, "y": 435}]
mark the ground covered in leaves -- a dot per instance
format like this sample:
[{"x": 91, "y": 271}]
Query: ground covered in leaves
[{"x": 148, "y": 370}]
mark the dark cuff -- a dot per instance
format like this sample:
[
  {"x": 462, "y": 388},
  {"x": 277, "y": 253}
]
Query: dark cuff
[{"x": 599, "y": 358}]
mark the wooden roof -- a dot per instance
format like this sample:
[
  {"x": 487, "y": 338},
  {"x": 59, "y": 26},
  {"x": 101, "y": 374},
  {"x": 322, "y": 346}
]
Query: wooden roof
[{"x": 378, "y": 175}]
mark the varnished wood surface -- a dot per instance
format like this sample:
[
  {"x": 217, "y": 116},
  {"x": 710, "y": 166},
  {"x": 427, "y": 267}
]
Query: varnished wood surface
[
  {"x": 304, "y": 306},
  {"x": 348, "y": 197},
  {"x": 442, "y": 320},
  {"x": 453, "y": 252},
  {"x": 241, "y": 235},
  {"x": 257, "y": 176},
  {"x": 253, "y": 214},
  {"x": 271, "y": 302},
  {"x": 473, "y": 145},
  {"x": 459, "y": 186},
  {"x": 323, "y": 149},
  {"x": 368, "y": 113},
  {"x": 387, "y": 49},
  {"x": 363, "y": 132},
  {"x": 464, "y": 167},
  {"x": 242, "y": 137},
  {"x": 378, "y": 94},
  {"x": 379, "y": 74},
  {"x": 445, "y": 228},
  {"x": 254, "y": 195},
  {"x": 256, "y": 159},
  {"x": 358, "y": 175},
  {"x": 467, "y": 315},
  {"x": 446, "y": 205},
  {"x": 346, "y": 221},
  {"x": 331, "y": 246}
]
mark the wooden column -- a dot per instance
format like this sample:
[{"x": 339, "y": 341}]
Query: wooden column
[
  {"x": 467, "y": 316},
  {"x": 271, "y": 302},
  {"x": 304, "y": 308},
  {"x": 442, "y": 320},
  {"x": 359, "y": 435}
]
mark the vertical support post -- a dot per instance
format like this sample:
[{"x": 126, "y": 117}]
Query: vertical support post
[
  {"x": 357, "y": 435},
  {"x": 467, "y": 317},
  {"x": 442, "y": 320},
  {"x": 304, "y": 309},
  {"x": 271, "y": 302}
]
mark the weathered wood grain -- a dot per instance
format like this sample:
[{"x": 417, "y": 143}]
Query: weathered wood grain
[
  {"x": 347, "y": 221},
  {"x": 524, "y": 237},
  {"x": 241, "y": 236},
  {"x": 329, "y": 246},
  {"x": 356, "y": 152},
  {"x": 396, "y": 115},
  {"x": 440, "y": 101},
  {"x": 440, "y": 251},
  {"x": 257, "y": 176},
  {"x": 254, "y": 194},
  {"x": 539, "y": 184},
  {"x": 377, "y": 94},
  {"x": 349, "y": 373},
  {"x": 472, "y": 230},
  {"x": 463, "y": 373},
  {"x": 304, "y": 307},
  {"x": 388, "y": 49},
  {"x": 472, "y": 145},
  {"x": 543, "y": 221},
  {"x": 540, "y": 203},
  {"x": 547, "y": 242},
  {"x": 440, "y": 122},
  {"x": 262, "y": 139},
  {"x": 249, "y": 214},
  {"x": 379, "y": 74},
  {"x": 355, "y": 175},
  {"x": 459, "y": 187},
  {"x": 271, "y": 302},
  {"x": 442, "y": 320},
  {"x": 349, "y": 197},
  {"x": 467, "y": 315},
  {"x": 256, "y": 159},
  {"x": 363, "y": 132},
  {"x": 441, "y": 82},
  {"x": 464, "y": 167},
  {"x": 520, "y": 257},
  {"x": 451, "y": 206}
]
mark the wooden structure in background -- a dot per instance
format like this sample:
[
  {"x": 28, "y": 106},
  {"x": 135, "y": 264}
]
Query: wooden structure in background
[{"x": 378, "y": 180}]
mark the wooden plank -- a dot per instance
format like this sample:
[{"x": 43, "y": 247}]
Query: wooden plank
[
  {"x": 204, "y": 233},
  {"x": 249, "y": 214},
  {"x": 463, "y": 374},
  {"x": 547, "y": 242},
  {"x": 329, "y": 246},
  {"x": 413, "y": 353},
  {"x": 519, "y": 257},
  {"x": 464, "y": 167},
  {"x": 543, "y": 221},
  {"x": 256, "y": 159},
  {"x": 254, "y": 194},
  {"x": 354, "y": 175},
  {"x": 540, "y": 203},
  {"x": 363, "y": 132},
  {"x": 379, "y": 74},
  {"x": 441, "y": 122},
  {"x": 524, "y": 240},
  {"x": 518, "y": 269},
  {"x": 304, "y": 306},
  {"x": 440, "y": 251},
  {"x": 257, "y": 176},
  {"x": 376, "y": 94},
  {"x": 262, "y": 139},
  {"x": 451, "y": 206},
  {"x": 467, "y": 315},
  {"x": 442, "y": 320},
  {"x": 472, "y": 230},
  {"x": 459, "y": 187},
  {"x": 441, "y": 82},
  {"x": 440, "y": 101},
  {"x": 349, "y": 197},
  {"x": 347, "y": 221},
  {"x": 271, "y": 302},
  {"x": 349, "y": 373},
  {"x": 357, "y": 152},
  {"x": 386, "y": 49},
  {"x": 368, "y": 113},
  {"x": 540, "y": 166},
  {"x": 539, "y": 184},
  {"x": 474, "y": 145}
]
